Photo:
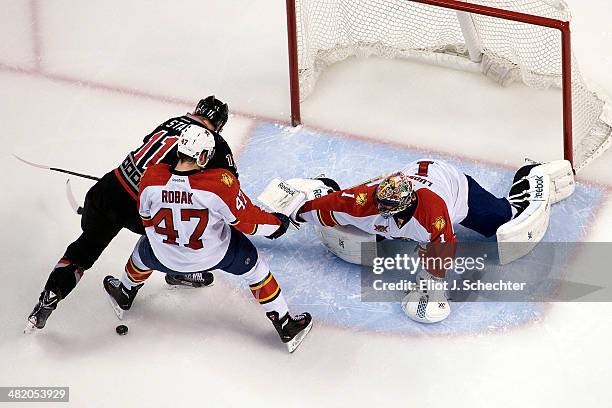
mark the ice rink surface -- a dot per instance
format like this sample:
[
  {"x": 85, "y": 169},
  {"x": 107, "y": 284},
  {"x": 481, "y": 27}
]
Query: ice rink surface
[{"x": 82, "y": 83}]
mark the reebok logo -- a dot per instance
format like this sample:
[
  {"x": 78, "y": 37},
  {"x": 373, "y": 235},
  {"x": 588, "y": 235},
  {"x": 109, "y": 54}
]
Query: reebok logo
[
  {"x": 286, "y": 188},
  {"x": 539, "y": 188}
]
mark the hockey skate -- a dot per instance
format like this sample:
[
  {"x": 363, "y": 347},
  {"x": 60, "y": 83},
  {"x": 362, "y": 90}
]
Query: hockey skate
[
  {"x": 193, "y": 280},
  {"x": 43, "y": 309},
  {"x": 120, "y": 297},
  {"x": 291, "y": 329}
]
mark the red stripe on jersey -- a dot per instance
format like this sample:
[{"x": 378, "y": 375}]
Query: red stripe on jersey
[
  {"x": 246, "y": 227},
  {"x": 144, "y": 149},
  {"x": 326, "y": 218},
  {"x": 168, "y": 143},
  {"x": 124, "y": 184},
  {"x": 424, "y": 168},
  {"x": 146, "y": 222},
  {"x": 156, "y": 175},
  {"x": 227, "y": 187},
  {"x": 431, "y": 212},
  {"x": 357, "y": 202}
]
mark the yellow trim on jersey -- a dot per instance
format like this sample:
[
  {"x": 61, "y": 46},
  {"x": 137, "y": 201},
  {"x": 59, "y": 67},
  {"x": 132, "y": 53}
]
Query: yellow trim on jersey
[
  {"x": 234, "y": 223},
  {"x": 331, "y": 214},
  {"x": 320, "y": 217}
]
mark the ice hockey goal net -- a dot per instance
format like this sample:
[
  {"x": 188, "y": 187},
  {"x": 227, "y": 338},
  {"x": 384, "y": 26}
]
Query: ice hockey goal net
[{"x": 507, "y": 40}]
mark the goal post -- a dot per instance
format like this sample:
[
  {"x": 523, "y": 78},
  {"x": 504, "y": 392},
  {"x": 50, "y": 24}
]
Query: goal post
[{"x": 506, "y": 40}]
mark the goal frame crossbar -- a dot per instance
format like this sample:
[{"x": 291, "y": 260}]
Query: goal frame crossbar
[{"x": 561, "y": 25}]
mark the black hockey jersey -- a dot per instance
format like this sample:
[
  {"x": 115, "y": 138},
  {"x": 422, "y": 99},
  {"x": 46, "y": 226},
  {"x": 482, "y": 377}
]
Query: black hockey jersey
[{"x": 160, "y": 146}]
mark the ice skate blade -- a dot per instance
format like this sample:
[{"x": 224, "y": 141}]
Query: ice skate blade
[
  {"x": 118, "y": 311},
  {"x": 181, "y": 286},
  {"x": 30, "y": 328},
  {"x": 297, "y": 340}
]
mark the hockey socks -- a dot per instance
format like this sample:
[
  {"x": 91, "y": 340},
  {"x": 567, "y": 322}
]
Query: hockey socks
[
  {"x": 265, "y": 289},
  {"x": 135, "y": 271}
]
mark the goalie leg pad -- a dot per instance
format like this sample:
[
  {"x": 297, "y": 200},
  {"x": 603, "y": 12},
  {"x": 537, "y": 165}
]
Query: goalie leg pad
[
  {"x": 346, "y": 242},
  {"x": 519, "y": 236},
  {"x": 561, "y": 177}
]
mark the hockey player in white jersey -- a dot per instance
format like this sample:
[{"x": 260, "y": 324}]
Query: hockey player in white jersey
[
  {"x": 422, "y": 202},
  {"x": 195, "y": 222}
]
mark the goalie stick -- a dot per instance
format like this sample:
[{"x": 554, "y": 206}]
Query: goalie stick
[
  {"x": 373, "y": 179},
  {"x": 43, "y": 166}
]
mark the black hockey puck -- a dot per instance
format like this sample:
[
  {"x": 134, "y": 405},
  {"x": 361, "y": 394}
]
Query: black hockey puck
[{"x": 121, "y": 330}]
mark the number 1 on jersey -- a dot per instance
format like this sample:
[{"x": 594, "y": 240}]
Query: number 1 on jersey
[{"x": 424, "y": 168}]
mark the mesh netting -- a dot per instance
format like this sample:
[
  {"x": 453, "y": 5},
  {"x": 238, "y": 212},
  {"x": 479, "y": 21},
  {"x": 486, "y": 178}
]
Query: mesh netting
[{"x": 329, "y": 31}]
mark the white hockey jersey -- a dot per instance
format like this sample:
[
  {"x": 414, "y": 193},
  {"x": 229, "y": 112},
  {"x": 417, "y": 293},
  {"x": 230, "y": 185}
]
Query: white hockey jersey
[{"x": 187, "y": 215}]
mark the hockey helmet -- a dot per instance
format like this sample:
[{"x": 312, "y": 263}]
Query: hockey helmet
[
  {"x": 198, "y": 143},
  {"x": 394, "y": 194},
  {"x": 214, "y": 110}
]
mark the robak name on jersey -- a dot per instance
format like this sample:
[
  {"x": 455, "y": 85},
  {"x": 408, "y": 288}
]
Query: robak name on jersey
[{"x": 160, "y": 147}]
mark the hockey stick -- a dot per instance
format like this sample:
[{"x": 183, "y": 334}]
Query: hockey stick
[
  {"x": 42, "y": 166},
  {"x": 73, "y": 203},
  {"x": 369, "y": 181}
]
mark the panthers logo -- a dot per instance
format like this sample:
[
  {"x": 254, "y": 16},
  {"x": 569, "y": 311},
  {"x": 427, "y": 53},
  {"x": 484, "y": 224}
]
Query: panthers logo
[
  {"x": 361, "y": 199},
  {"x": 227, "y": 179},
  {"x": 439, "y": 223}
]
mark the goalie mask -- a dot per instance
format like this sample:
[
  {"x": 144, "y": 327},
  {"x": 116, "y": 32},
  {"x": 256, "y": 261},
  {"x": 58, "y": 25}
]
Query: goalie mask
[
  {"x": 197, "y": 143},
  {"x": 394, "y": 194}
]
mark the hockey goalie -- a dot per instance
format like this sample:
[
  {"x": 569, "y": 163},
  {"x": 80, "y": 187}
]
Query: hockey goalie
[{"x": 423, "y": 202}]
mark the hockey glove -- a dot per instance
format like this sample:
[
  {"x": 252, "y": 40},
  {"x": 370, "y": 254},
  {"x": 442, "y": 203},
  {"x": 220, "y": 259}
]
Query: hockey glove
[{"x": 285, "y": 222}]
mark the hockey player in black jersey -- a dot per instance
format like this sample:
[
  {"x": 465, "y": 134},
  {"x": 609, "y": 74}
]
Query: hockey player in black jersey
[{"x": 110, "y": 204}]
